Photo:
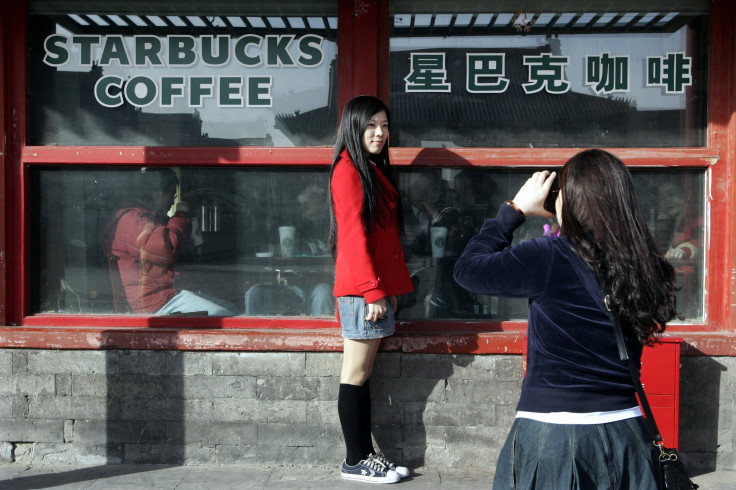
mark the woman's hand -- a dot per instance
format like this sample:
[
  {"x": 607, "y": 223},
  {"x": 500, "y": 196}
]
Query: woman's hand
[
  {"x": 530, "y": 198},
  {"x": 376, "y": 310}
]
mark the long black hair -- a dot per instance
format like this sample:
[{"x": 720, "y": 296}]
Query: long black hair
[
  {"x": 601, "y": 214},
  {"x": 355, "y": 116}
]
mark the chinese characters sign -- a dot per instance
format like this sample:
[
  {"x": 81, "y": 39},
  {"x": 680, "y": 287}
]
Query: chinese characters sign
[{"x": 604, "y": 73}]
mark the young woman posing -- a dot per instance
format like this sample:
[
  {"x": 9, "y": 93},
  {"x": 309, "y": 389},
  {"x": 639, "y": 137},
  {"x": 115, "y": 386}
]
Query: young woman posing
[{"x": 370, "y": 272}]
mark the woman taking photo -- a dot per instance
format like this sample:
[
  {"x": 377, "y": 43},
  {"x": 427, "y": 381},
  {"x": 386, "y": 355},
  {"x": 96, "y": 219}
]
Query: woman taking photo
[
  {"x": 578, "y": 424},
  {"x": 370, "y": 272}
]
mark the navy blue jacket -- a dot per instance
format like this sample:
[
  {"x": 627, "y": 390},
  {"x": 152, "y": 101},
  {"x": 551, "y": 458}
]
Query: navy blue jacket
[{"x": 572, "y": 359}]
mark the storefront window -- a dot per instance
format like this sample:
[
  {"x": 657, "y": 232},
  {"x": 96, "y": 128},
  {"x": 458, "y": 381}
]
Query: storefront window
[
  {"x": 154, "y": 74},
  {"x": 546, "y": 77},
  {"x": 254, "y": 240},
  {"x": 448, "y": 206}
]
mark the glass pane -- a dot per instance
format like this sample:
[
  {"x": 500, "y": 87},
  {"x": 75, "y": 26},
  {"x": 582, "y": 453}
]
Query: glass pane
[
  {"x": 257, "y": 242},
  {"x": 168, "y": 76},
  {"x": 548, "y": 78},
  {"x": 251, "y": 241},
  {"x": 454, "y": 203}
]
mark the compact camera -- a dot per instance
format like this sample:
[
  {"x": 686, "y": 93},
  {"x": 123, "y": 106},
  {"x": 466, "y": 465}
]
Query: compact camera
[{"x": 549, "y": 201}]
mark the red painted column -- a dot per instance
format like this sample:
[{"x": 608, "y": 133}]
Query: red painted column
[
  {"x": 362, "y": 49},
  {"x": 721, "y": 281}
]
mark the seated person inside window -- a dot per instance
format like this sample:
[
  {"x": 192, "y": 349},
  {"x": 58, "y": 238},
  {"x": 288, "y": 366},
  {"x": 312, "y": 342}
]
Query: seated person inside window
[
  {"x": 295, "y": 292},
  {"x": 145, "y": 244}
]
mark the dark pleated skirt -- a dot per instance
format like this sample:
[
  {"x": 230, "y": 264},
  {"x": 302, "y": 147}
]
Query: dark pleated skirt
[{"x": 617, "y": 456}]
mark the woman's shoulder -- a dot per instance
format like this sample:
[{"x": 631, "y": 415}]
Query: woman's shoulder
[{"x": 345, "y": 169}]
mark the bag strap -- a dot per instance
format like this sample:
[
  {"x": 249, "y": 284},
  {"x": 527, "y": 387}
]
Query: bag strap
[{"x": 623, "y": 353}]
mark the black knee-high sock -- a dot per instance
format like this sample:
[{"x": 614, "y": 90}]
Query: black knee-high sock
[
  {"x": 349, "y": 408},
  {"x": 365, "y": 420}
]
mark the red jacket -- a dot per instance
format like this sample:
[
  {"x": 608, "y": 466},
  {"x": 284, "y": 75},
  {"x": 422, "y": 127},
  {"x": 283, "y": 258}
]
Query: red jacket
[
  {"x": 146, "y": 253},
  {"x": 369, "y": 265}
]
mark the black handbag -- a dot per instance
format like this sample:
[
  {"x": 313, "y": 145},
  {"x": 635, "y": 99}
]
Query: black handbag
[{"x": 675, "y": 476}]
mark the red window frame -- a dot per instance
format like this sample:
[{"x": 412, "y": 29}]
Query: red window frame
[{"x": 363, "y": 37}]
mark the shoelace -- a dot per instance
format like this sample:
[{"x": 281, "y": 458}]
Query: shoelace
[
  {"x": 375, "y": 464},
  {"x": 381, "y": 459}
]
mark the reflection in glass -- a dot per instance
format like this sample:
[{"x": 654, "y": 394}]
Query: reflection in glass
[{"x": 254, "y": 239}]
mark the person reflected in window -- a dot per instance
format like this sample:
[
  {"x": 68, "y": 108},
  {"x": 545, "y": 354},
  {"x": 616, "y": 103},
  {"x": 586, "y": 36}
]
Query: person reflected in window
[
  {"x": 296, "y": 293},
  {"x": 370, "y": 272},
  {"x": 144, "y": 244},
  {"x": 577, "y": 391}
]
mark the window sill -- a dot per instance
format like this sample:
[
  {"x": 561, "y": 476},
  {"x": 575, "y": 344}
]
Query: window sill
[{"x": 304, "y": 340}]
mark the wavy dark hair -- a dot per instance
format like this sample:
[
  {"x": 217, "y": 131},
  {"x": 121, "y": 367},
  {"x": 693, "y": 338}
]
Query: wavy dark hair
[
  {"x": 601, "y": 216},
  {"x": 354, "y": 121}
]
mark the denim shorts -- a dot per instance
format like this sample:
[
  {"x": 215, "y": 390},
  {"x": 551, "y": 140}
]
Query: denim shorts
[{"x": 352, "y": 310}]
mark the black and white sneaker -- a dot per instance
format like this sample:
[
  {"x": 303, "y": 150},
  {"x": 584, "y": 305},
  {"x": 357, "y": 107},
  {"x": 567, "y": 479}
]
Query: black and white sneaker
[
  {"x": 402, "y": 471},
  {"x": 369, "y": 470}
]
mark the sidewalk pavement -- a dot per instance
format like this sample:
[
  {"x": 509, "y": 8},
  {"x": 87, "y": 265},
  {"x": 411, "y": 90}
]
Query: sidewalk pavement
[{"x": 111, "y": 477}]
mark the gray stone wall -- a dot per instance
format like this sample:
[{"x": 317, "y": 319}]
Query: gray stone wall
[{"x": 121, "y": 406}]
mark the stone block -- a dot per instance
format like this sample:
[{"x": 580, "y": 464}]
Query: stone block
[
  {"x": 255, "y": 411},
  {"x": 169, "y": 454},
  {"x": 241, "y": 433},
  {"x": 328, "y": 365},
  {"x": 258, "y": 364},
  {"x": 63, "y": 384},
  {"x": 68, "y": 407},
  {"x": 210, "y": 387},
  {"x": 418, "y": 390},
  {"x": 165, "y": 409},
  {"x": 428, "y": 367},
  {"x": 288, "y": 435},
  {"x": 145, "y": 386},
  {"x": 27, "y": 385},
  {"x": 321, "y": 412},
  {"x": 508, "y": 368},
  {"x": 386, "y": 413},
  {"x": 75, "y": 453},
  {"x": 98, "y": 432},
  {"x": 72, "y": 362},
  {"x": 386, "y": 365},
  {"x": 20, "y": 361},
  {"x": 145, "y": 362},
  {"x": 96, "y": 385},
  {"x": 6, "y": 362},
  {"x": 287, "y": 388},
  {"x": 6, "y": 405},
  {"x": 187, "y": 363},
  {"x": 6, "y": 452},
  {"x": 29, "y": 430}
]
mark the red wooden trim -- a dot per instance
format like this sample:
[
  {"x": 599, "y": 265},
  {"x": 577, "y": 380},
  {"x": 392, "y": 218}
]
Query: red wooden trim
[
  {"x": 318, "y": 340},
  {"x": 358, "y": 57},
  {"x": 190, "y": 156},
  {"x": 179, "y": 156},
  {"x": 720, "y": 284},
  {"x": 15, "y": 64},
  {"x": 437, "y": 327},
  {"x": 5, "y": 122},
  {"x": 544, "y": 157}
]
